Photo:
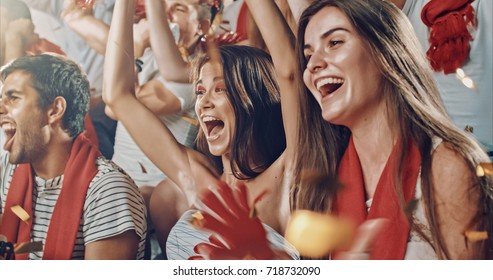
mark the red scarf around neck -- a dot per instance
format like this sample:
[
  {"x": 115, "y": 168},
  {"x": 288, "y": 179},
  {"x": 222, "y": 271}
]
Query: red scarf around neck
[
  {"x": 449, "y": 35},
  {"x": 64, "y": 224},
  {"x": 350, "y": 202}
]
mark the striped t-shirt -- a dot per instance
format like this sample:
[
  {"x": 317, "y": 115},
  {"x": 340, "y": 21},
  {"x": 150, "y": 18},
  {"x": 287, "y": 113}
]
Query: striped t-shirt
[{"x": 113, "y": 205}]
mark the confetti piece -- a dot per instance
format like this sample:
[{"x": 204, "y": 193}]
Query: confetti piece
[
  {"x": 469, "y": 129},
  {"x": 475, "y": 236},
  {"x": 460, "y": 73},
  {"x": 190, "y": 120},
  {"x": 466, "y": 80},
  {"x": 142, "y": 168},
  {"x": 316, "y": 235},
  {"x": 484, "y": 169},
  {"x": 197, "y": 220},
  {"x": 28, "y": 247},
  {"x": 21, "y": 213}
]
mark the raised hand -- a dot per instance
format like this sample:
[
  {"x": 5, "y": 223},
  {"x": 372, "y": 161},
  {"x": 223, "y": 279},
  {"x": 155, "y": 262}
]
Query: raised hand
[{"x": 237, "y": 231}]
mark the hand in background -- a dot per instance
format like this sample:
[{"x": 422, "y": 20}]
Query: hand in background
[{"x": 74, "y": 10}]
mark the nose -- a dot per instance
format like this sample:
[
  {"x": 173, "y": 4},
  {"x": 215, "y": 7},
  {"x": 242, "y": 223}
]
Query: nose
[
  {"x": 316, "y": 63},
  {"x": 204, "y": 101}
]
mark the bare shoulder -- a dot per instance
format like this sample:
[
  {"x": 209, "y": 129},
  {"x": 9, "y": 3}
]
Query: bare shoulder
[
  {"x": 457, "y": 200},
  {"x": 453, "y": 178},
  {"x": 451, "y": 171},
  {"x": 445, "y": 159}
]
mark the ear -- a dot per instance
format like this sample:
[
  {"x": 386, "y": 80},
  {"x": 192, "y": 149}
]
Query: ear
[{"x": 56, "y": 110}]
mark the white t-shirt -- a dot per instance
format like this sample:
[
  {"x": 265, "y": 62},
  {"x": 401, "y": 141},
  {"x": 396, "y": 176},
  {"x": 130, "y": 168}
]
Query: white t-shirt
[{"x": 472, "y": 107}]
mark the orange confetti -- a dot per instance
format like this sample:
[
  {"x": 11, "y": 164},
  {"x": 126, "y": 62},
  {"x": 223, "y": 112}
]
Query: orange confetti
[
  {"x": 484, "y": 169},
  {"x": 190, "y": 120},
  {"x": 197, "y": 220},
  {"x": 21, "y": 213},
  {"x": 475, "y": 236}
]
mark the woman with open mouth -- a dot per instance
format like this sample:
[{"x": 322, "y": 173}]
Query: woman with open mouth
[{"x": 243, "y": 105}]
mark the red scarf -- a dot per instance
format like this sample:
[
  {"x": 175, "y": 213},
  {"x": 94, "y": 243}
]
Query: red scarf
[
  {"x": 449, "y": 37},
  {"x": 90, "y": 131},
  {"x": 64, "y": 224},
  {"x": 350, "y": 202}
]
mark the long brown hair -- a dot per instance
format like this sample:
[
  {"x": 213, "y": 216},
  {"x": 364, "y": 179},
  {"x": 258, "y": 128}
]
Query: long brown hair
[
  {"x": 413, "y": 103},
  {"x": 253, "y": 92}
]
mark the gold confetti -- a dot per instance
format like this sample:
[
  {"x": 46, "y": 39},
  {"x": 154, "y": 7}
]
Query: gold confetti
[
  {"x": 197, "y": 220},
  {"x": 484, "y": 169},
  {"x": 21, "y": 213},
  {"x": 316, "y": 235},
  {"x": 190, "y": 120},
  {"x": 28, "y": 247},
  {"x": 475, "y": 236}
]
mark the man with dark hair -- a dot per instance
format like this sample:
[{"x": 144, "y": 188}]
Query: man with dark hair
[{"x": 81, "y": 206}]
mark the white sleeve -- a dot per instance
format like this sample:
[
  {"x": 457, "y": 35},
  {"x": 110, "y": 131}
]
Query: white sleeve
[{"x": 183, "y": 91}]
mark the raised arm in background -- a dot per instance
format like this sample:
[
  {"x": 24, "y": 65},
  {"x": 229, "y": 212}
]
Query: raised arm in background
[
  {"x": 297, "y": 7},
  {"x": 152, "y": 136},
  {"x": 169, "y": 59},
  {"x": 18, "y": 36},
  {"x": 85, "y": 24}
]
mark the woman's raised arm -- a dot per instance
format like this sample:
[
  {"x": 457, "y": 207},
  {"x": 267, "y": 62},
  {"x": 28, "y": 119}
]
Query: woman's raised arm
[{"x": 152, "y": 136}]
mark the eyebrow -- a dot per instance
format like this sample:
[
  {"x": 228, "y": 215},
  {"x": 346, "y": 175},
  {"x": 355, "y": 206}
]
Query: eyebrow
[
  {"x": 9, "y": 92},
  {"x": 214, "y": 80},
  {"x": 327, "y": 34}
]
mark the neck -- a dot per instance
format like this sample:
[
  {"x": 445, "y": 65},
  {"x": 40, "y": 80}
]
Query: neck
[
  {"x": 56, "y": 157},
  {"x": 374, "y": 142},
  {"x": 374, "y": 133},
  {"x": 374, "y": 139}
]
